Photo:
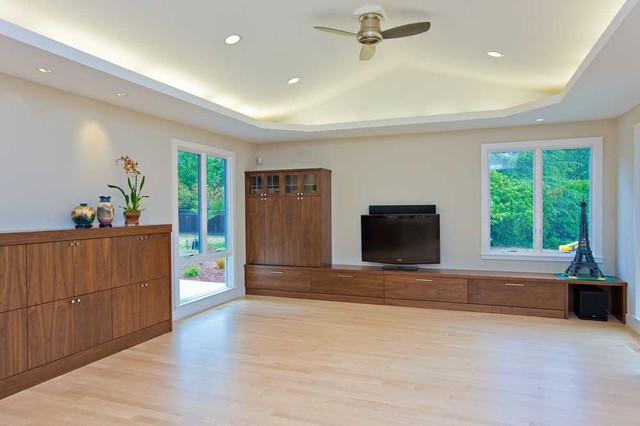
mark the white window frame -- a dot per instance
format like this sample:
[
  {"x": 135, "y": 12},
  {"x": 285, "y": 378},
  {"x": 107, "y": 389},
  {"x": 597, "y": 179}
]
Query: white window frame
[
  {"x": 230, "y": 252},
  {"x": 595, "y": 199}
]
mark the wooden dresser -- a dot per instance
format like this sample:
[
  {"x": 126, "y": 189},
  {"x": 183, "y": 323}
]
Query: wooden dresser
[
  {"x": 514, "y": 293},
  {"x": 70, "y": 297}
]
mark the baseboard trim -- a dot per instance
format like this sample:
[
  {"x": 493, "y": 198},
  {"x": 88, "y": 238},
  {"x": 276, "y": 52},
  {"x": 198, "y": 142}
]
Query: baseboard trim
[
  {"x": 633, "y": 323},
  {"x": 207, "y": 303}
]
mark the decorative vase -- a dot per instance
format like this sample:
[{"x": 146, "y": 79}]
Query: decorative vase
[
  {"x": 132, "y": 218},
  {"x": 83, "y": 216},
  {"x": 105, "y": 211}
]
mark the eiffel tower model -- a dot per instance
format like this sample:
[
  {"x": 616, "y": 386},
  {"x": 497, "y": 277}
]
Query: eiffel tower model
[{"x": 584, "y": 255}]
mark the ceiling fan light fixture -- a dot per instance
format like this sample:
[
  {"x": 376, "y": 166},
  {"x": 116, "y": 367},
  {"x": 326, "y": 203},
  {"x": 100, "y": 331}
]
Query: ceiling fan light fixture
[
  {"x": 370, "y": 33},
  {"x": 232, "y": 39},
  {"x": 495, "y": 54}
]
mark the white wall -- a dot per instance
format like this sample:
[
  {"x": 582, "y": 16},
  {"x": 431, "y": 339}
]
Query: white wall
[
  {"x": 439, "y": 168},
  {"x": 628, "y": 186},
  {"x": 58, "y": 149}
]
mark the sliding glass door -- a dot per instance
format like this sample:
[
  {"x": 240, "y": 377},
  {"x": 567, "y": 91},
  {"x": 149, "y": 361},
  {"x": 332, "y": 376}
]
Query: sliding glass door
[{"x": 204, "y": 243}]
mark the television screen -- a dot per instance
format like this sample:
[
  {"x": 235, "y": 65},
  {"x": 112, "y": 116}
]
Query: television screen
[{"x": 401, "y": 239}]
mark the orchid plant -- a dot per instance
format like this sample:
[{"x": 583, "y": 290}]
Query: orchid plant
[{"x": 133, "y": 199}]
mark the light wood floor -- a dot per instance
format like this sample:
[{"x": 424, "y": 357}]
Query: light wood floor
[{"x": 270, "y": 361}]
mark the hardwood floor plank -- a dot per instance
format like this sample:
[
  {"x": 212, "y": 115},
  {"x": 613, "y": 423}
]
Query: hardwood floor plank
[{"x": 275, "y": 361}]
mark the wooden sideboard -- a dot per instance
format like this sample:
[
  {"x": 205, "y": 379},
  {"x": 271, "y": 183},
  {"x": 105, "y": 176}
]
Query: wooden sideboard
[
  {"x": 515, "y": 293},
  {"x": 68, "y": 298}
]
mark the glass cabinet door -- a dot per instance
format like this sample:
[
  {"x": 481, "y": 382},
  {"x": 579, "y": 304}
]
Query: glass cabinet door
[
  {"x": 291, "y": 184},
  {"x": 273, "y": 184},
  {"x": 255, "y": 185},
  {"x": 310, "y": 183}
]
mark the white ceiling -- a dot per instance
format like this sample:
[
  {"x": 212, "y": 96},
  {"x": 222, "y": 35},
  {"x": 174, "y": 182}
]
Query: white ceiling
[{"x": 170, "y": 57}]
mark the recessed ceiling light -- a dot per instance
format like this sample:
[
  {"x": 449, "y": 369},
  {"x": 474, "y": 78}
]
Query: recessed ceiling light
[
  {"x": 495, "y": 54},
  {"x": 293, "y": 80},
  {"x": 539, "y": 120},
  {"x": 121, "y": 94},
  {"x": 45, "y": 70},
  {"x": 232, "y": 39}
]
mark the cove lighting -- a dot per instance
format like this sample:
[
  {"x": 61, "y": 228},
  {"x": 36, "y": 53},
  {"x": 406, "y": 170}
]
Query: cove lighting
[
  {"x": 232, "y": 39},
  {"x": 495, "y": 54}
]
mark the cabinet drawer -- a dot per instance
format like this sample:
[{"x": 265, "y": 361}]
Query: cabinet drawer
[
  {"x": 517, "y": 293},
  {"x": 426, "y": 288},
  {"x": 347, "y": 283},
  {"x": 278, "y": 279}
]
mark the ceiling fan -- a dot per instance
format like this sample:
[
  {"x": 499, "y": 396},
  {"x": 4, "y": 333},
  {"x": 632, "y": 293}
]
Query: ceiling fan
[{"x": 371, "y": 34}]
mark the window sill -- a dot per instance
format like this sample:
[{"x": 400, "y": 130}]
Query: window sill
[{"x": 537, "y": 257}]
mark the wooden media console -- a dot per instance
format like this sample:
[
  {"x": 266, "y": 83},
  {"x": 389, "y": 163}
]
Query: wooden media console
[{"x": 533, "y": 294}]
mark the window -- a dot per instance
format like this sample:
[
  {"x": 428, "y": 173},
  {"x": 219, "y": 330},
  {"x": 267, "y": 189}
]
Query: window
[
  {"x": 204, "y": 221},
  {"x": 531, "y": 196}
]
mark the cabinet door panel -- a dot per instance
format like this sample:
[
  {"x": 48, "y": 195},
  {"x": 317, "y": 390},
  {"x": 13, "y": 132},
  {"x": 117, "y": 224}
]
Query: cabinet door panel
[
  {"x": 255, "y": 185},
  {"x": 49, "y": 272},
  {"x": 149, "y": 257},
  {"x": 283, "y": 279},
  {"x": 292, "y": 245},
  {"x": 13, "y": 278},
  {"x": 292, "y": 184},
  {"x": 13, "y": 343},
  {"x": 255, "y": 209},
  {"x": 156, "y": 302},
  {"x": 50, "y": 328},
  {"x": 93, "y": 324},
  {"x": 158, "y": 261},
  {"x": 127, "y": 309},
  {"x": 425, "y": 287},
  {"x": 92, "y": 266},
  {"x": 519, "y": 294},
  {"x": 121, "y": 261},
  {"x": 311, "y": 231},
  {"x": 310, "y": 183},
  {"x": 347, "y": 283},
  {"x": 274, "y": 236}
]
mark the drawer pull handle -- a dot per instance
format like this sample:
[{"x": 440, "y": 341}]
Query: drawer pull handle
[
  {"x": 514, "y": 285},
  {"x": 424, "y": 280},
  {"x": 276, "y": 272},
  {"x": 345, "y": 276}
]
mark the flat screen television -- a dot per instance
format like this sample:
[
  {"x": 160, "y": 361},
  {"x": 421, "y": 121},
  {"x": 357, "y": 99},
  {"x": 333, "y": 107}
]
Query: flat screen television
[{"x": 402, "y": 239}]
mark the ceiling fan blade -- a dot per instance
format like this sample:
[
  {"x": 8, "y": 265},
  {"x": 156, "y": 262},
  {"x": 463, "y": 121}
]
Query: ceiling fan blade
[
  {"x": 334, "y": 31},
  {"x": 367, "y": 52},
  {"x": 406, "y": 30}
]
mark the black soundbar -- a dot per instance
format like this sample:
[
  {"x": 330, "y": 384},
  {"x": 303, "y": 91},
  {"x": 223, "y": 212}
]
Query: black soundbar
[{"x": 424, "y": 209}]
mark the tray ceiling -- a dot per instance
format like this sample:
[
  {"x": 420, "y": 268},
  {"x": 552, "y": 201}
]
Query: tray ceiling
[{"x": 445, "y": 75}]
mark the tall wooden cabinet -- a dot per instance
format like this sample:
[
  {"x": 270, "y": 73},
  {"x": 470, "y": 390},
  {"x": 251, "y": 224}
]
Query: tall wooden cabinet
[
  {"x": 68, "y": 298},
  {"x": 288, "y": 217}
]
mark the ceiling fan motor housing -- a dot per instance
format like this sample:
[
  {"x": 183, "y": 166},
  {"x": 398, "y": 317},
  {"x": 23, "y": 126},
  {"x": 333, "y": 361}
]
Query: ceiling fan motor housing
[{"x": 370, "y": 33}]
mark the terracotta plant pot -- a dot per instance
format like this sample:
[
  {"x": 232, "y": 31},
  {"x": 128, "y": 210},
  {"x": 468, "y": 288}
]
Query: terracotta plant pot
[{"x": 132, "y": 218}]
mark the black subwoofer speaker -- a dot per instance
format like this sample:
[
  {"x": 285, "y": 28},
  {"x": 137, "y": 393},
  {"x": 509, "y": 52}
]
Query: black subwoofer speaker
[
  {"x": 421, "y": 209},
  {"x": 590, "y": 303}
]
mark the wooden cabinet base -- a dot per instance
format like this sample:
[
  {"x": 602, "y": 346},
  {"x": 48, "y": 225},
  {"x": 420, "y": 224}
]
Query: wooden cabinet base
[{"x": 53, "y": 369}]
